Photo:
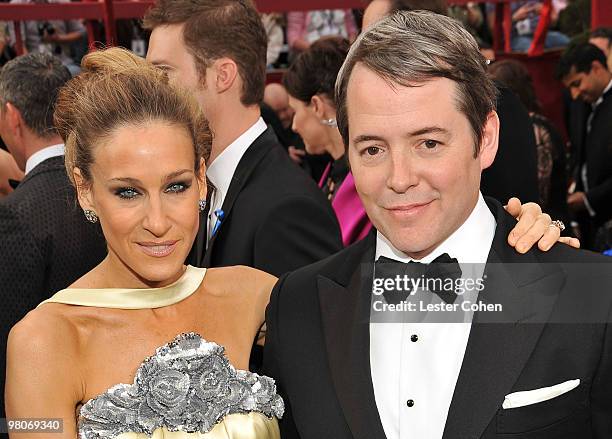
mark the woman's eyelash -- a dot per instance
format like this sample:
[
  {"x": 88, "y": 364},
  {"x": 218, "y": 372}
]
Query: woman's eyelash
[
  {"x": 178, "y": 187},
  {"x": 127, "y": 193}
]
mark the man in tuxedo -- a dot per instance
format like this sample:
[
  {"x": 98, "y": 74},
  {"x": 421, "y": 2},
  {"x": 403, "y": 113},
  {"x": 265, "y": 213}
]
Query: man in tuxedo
[
  {"x": 515, "y": 170},
  {"x": 45, "y": 242},
  {"x": 264, "y": 211},
  {"x": 535, "y": 361},
  {"x": 584, "y": 72}
]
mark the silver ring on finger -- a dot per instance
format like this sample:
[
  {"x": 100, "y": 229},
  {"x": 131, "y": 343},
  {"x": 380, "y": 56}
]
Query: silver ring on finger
[{"x": 558, "y": 224}]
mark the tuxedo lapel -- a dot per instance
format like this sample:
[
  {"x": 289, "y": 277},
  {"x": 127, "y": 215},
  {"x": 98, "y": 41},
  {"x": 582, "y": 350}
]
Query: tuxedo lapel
[
  {"x": 345, "y": 309},
  {"x": 500, "y": 343},
  {"x": 249, "y": 161}
]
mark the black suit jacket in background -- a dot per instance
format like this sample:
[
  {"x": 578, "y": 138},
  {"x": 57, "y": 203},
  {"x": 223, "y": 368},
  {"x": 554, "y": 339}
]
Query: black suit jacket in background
[
  {"x": 595, "y": 149},
  {"x": 45, "y": 245},
  {"x": 276, "y": 218},
  {"x": 317, "y": 347},
  {"x": 576, "y": 114},
  {"x": 514, "y": 173}
]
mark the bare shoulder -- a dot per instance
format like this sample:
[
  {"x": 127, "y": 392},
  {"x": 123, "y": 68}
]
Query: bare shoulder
[
  {"x": 43, "y": 332},
  {"x": 242, "y": 282},
  {"x": 43, "y": 377}
]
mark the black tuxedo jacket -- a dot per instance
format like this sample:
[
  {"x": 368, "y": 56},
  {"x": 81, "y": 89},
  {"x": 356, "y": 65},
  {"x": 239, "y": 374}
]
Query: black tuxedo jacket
[
  {"x": 45, "y": 245},
  {"x": 514, "y": 173},
  {"x": 276, "y": 218},
  {"x": 317, "y": 347},
  {"x": 576, "y": 115},
  {"x": 595, "y": 149}
]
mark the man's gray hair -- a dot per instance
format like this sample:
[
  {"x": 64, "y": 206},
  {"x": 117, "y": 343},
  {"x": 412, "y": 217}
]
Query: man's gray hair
[
  {"x": 31, "y": 83},
  {"x": 410, "y": 48}
]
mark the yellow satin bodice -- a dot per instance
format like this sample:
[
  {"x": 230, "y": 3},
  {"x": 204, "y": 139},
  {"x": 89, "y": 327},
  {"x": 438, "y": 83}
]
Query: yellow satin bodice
[
  {"x": 236, "y": 426},
  {"x": 188, "y": 384}
]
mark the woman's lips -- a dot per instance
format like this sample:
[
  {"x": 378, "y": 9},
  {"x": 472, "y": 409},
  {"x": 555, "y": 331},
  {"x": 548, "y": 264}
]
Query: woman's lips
[{"x": 158, "y": 249}]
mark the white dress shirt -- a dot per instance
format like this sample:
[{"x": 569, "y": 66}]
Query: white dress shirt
[
  {"x": 221, "y": 170},
  {"x": 425, "y": 371},
  {"x": 40, "y": 156}
]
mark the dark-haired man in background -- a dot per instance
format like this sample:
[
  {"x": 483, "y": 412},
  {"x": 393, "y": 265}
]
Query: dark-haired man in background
[
  {"x": 46, "y": 243},
  {"x": 583, "y": 70},
  {"x": 264, "y": 212}
]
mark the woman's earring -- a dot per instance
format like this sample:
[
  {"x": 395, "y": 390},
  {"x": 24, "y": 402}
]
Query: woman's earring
[
  {"x": 329, "y": 122},
  {"x": 202, "y": 205},
  {"x": 91, "y": 216}
]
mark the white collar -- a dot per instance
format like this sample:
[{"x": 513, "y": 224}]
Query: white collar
[
  {"x": 221, "y": 170},
  {"x": 601, "y": 98},
  {"x": 40, "y": 156},
  {"x": 470, "y": 243}
]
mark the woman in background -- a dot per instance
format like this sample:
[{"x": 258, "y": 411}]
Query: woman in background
[{"x": 310, "y": 83}]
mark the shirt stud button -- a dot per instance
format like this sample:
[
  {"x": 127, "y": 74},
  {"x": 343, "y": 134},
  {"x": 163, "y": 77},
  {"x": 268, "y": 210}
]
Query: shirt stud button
[
  {"x": 410, "y": 403},
  {"x": 414, "y": 338}
]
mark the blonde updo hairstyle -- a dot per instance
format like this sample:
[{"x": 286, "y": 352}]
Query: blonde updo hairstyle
[{"x": 117, "y": 88}]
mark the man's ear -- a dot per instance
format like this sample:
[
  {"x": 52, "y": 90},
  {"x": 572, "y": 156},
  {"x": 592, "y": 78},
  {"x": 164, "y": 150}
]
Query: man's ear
[
  {"x": 14, "y": 120},
  {"x": 490, "y": 141},
  {"x": 226, "y": 71},
  {"x": 596, "y": 67},
  {"x": 83, "y": 189}
]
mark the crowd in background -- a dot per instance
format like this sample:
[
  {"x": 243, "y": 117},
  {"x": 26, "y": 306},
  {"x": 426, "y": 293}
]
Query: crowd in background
[
  {"x": 293, "y": 32},
  {"x": 292, "y": 41},
  {"x": 567, "y": 169},
  {"x": 291, "y": 37}
]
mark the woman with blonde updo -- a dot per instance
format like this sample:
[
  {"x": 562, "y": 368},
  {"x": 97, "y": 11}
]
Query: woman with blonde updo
[{"x": 142, "y": 345}]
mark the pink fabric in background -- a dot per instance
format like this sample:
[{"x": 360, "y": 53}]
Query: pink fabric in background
[{"x": 354, "y": 223}]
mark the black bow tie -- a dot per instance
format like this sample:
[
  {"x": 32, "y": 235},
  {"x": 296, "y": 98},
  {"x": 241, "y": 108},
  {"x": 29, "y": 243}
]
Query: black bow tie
[{"x": 436, "y": 274}]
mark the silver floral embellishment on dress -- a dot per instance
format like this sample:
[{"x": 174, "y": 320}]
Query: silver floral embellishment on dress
[{"x": 188, "y": 385}]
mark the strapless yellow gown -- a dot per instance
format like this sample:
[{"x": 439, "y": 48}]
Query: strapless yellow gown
[{"x": 186, "y": 390}]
